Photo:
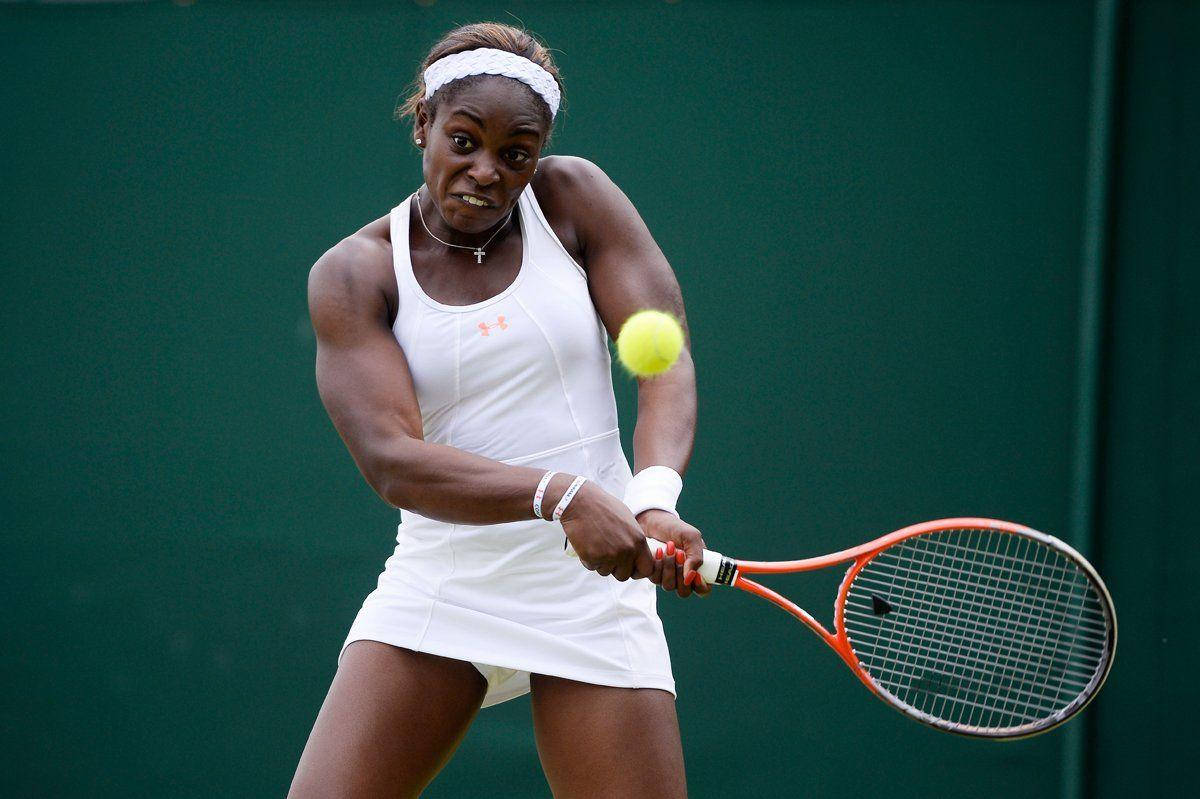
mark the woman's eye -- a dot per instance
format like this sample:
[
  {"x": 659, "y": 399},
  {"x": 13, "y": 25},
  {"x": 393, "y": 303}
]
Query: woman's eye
[
  {"x": 461, "y": 141},
  {"x": 518, "y": 156}
]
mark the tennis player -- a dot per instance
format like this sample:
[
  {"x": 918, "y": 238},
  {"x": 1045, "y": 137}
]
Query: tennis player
[{"x": 462, "y": 356}]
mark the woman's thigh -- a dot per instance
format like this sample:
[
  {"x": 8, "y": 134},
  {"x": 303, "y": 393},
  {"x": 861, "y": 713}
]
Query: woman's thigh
[
  {"x": 597, "y": 741},
  {"x": 391, "y": 720}
]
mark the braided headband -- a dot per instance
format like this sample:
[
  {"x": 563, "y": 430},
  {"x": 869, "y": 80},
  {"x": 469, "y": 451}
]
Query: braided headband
[{"x": 489, "y": 61}]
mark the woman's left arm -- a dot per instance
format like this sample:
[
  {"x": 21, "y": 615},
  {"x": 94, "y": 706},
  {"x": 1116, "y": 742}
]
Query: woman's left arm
[{"x": 627, "y": 272}]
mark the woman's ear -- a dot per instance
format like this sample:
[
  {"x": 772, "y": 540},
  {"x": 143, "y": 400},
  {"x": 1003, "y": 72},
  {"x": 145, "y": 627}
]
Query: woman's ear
[{"x": 420, "y": 123}]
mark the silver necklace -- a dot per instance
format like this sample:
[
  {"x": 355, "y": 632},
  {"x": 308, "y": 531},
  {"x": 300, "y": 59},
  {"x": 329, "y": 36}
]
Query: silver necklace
[{"x": 479, "y": 251}]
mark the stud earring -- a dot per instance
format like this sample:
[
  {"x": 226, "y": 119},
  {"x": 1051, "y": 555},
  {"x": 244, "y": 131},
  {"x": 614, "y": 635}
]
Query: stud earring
[{"x": 418, "y": 141}]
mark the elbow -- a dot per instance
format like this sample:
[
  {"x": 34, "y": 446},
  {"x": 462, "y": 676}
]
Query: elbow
[
  {"x": 397, "y": 488},
  {"x": 392, "y": 491},
  {"x": 393, "y": 475}
]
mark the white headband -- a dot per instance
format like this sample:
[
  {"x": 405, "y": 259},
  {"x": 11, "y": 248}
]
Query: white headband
[{"x": 489, "y": 61}]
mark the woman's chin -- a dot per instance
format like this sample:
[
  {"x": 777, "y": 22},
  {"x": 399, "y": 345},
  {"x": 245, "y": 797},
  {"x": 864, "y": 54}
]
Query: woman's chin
[{"x": 467, "y": 218}]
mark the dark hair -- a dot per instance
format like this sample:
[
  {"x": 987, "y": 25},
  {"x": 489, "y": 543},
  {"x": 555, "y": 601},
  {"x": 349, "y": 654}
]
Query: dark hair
[{"x": 470, "y": 37}]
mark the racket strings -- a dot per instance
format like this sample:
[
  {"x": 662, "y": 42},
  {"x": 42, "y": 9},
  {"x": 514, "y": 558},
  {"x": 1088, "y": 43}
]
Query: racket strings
[
  {"x": 971, "y": 632},
  {"x": 931, "y": 646},
  {"x": 1091, "y": 626},
  {"x": 981, "y": 628},
  {"x": 956, "y": 650},
  {"x": 1005, "y": 652}
]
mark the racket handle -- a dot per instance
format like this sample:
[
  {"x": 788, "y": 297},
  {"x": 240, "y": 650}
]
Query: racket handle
[{"x": 716, "y": 568}]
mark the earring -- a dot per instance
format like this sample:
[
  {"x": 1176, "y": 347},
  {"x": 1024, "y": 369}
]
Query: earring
[{"x": 418, "y": 141}]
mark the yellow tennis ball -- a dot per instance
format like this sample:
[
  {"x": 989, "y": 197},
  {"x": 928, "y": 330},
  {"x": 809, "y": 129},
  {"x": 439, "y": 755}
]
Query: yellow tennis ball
[{"x": 649, "y": 343}]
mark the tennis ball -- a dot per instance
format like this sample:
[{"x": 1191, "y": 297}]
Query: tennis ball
[{"x": 649, "y": 343}]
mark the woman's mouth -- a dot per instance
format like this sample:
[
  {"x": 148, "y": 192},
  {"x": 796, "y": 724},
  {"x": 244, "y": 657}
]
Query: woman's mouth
[{"x": 471, "y": 199}]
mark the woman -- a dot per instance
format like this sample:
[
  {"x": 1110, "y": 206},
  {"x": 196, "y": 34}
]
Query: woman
[{"x": 462, "y": 357}]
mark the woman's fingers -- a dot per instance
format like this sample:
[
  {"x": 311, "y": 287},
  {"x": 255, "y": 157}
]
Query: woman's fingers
[
  {"x": 670, "y": 570},
  {"x": 691, "y": 575},
  {"x": 682, "y": 587},
  {"x": 623, "y": 571},
  {"x": 675, "y": 571},
  {"x": 656, "y": 574}
]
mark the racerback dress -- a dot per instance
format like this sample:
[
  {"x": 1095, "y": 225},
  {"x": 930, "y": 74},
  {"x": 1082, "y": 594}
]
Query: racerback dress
[{"x": 523, "y": 378}]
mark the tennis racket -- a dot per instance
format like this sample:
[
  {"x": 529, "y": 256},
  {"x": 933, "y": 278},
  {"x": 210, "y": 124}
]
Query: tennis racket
[{"x": 974, "y": 626}]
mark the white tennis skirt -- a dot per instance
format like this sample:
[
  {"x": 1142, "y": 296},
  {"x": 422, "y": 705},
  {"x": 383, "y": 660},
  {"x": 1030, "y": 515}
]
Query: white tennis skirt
[{"x": 506, "y": 598}]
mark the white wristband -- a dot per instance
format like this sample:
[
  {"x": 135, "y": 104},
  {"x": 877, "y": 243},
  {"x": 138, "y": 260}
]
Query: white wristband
[
  {"x": 567, "y": 497},
  {"x": 541, "y": 492},
  {"x": 654, "y": 487}
]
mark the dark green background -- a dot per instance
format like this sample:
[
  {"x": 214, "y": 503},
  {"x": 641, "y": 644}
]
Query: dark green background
[{"x": 877, "y": 212}]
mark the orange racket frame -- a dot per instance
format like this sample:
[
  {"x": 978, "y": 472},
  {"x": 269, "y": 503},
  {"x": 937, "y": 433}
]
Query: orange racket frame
[
  {"x": 860, "y": 555},
  {"x": 718, "y": 569}
]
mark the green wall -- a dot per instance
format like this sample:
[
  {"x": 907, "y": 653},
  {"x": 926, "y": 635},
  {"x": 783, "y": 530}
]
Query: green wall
[
  {"x": 877, "y": 215},
  {"x": 1145, "y": 741}
]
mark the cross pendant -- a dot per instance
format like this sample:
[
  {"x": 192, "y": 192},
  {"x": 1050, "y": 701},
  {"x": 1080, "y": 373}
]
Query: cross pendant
[{"x": 479, "y": 253}]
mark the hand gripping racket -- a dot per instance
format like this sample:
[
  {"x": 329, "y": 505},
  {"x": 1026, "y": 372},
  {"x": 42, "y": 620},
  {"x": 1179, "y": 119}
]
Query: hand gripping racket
[{"x": 974, "y": 626}]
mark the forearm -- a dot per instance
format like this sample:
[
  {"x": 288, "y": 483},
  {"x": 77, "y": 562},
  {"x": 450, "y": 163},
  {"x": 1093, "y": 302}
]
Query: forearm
[
  {"x": 666, "y": 418},
  {"x": 451, "y": 485}
]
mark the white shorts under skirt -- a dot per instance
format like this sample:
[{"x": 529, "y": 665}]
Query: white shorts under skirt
[{"x": 505, "y": 598}]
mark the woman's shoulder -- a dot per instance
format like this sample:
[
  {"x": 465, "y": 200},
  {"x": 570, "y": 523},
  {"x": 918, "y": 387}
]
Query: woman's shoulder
[
  {"x": 560, "y": 177},
  {"x": 566, "y": 186},
  {"x": 357, "y": 268}
]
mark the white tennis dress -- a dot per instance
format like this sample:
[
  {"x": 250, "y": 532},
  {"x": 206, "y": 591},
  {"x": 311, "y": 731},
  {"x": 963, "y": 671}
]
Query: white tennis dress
[{"x": 521, "y": 378}]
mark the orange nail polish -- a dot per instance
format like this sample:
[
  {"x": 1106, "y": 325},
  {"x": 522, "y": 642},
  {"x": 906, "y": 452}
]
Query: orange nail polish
[
  {"x": 670, "y": 547},
  {"x": 679, "y": 557},
  {"x": 658, "y": 554}
]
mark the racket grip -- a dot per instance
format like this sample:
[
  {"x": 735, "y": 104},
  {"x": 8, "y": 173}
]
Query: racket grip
[{"x": 710, "y": 570}]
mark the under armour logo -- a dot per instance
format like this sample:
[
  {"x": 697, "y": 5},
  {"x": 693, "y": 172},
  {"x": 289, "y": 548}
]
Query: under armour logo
[{"x": 485, "y": 327}]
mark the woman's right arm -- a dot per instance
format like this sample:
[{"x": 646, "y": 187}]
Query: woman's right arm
[{"x": 366, "y": 386}]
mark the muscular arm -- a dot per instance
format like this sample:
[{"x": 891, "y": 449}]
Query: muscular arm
[
  {"x": 365, "y": 384},
  {"x": 628, "y": 272}
]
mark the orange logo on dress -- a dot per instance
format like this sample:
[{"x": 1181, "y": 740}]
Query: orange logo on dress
[{"x": 486, "y": 328}]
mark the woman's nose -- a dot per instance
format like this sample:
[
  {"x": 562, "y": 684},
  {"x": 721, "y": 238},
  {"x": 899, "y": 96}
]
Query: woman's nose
[{"x": 483, "y": 171}]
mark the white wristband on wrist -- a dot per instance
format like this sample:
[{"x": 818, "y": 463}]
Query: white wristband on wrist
[
  {"x": 541, "y": 493},
  {"x": 654, "y": 487},
  {"x": 567, "y": 497}
]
